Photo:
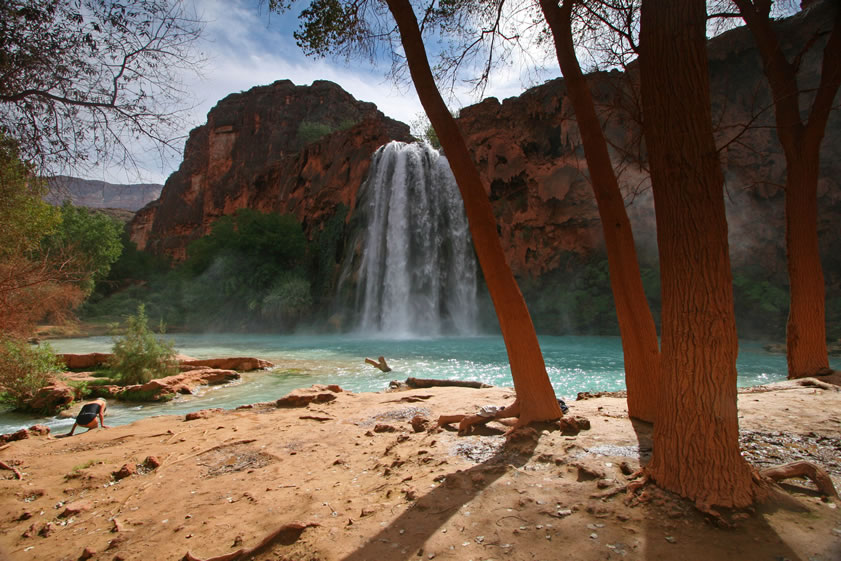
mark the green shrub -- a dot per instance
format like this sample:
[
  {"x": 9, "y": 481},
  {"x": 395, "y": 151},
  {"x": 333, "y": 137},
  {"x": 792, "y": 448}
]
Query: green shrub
[
  {"x": 310, "y": 131},
  {"x": 140, "y": 356},
  {"x": 24, "y": 369}
]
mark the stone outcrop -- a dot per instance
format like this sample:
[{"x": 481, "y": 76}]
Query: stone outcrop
[
  {"x": 35, "y": 430},
  {"x": 51, "y": 399},
  {"x": 280, "y": 148},
  {"x": 162, "y": 389},
  {"x": 238, "y": 363},
  {"x": 304, "y": 396}
]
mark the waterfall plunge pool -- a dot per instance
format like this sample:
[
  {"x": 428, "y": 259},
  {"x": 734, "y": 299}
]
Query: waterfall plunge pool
[{"x": 574, "y": 363}]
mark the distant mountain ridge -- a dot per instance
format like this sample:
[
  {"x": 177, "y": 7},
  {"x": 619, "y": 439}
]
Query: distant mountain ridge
[{"x": 101, "y": 194}]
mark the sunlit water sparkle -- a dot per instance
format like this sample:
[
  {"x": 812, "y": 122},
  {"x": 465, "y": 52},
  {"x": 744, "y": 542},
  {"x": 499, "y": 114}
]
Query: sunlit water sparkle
[{"x": 575, "y": 364}]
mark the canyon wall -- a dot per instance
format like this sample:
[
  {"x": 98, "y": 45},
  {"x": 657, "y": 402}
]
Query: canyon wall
[
  {"x": 281, "y": 148},
  {"x": 529, "y": 152}
]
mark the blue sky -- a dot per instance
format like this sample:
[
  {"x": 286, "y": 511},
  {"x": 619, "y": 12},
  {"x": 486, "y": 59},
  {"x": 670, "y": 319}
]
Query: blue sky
[{"x": 246, "y": 46}]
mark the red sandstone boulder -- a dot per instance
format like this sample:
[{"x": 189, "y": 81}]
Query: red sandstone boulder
[
  {"x": 127, "y": 470},
  {"x": 304, "y": 396},
  {"x": 76, "y": 507},
  {"x": 203, "y": 414},
  {"x": 49, "y": 400}
]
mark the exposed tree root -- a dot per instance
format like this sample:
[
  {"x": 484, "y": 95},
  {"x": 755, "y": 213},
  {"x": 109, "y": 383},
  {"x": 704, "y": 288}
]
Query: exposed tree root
[
  {"x": 803, "y": 469},
  {"x": 4, "y": 465},
  {"x": 286, "y": 534}
]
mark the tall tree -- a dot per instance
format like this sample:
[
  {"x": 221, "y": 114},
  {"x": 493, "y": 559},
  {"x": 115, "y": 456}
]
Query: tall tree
[
  {"x": 636, "y": 324},
  {"x": 696, "y": 440},
  {"x": 328, "y": 23},
  {"x": 800, "y": 133},
  {"x": 534, "y": 392},
  {"x": 81, "y": 82}
]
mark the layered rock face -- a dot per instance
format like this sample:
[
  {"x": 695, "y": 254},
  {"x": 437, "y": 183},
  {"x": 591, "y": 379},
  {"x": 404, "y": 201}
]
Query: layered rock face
[
  {"x": 279, "y": 148},
  {"x": 529, "y": 152}
]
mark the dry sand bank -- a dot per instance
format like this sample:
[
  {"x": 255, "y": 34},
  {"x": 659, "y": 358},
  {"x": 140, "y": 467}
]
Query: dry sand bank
[{"x": 226, "y": 481}]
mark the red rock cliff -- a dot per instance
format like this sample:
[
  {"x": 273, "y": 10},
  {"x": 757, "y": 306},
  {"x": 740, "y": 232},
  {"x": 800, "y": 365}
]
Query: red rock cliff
[
  {"x": 530, "y": 154},
  {"x": 278, "y": 148}
]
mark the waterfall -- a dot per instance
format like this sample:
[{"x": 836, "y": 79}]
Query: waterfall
[{"x": 417, "y": 274}]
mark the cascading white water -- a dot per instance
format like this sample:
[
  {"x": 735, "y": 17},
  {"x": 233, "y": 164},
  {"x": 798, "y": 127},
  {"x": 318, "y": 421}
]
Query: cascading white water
[{"x": 417, "y": 275}]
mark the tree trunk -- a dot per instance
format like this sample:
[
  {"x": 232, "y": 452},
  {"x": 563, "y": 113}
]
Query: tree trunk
[
  {"x": 696, "y": 445},
  {"x": 636, "y": 325},
  {"x": 806, "y": 328},
  {"x": 801, "y": 142},
  {"x": 531, "y": 382}
]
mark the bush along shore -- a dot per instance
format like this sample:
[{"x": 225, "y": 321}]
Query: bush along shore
[{"x": 142, "y": 367}]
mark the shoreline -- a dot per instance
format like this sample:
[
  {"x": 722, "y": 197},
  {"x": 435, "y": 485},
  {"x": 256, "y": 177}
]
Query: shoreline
[{"x": 202, "y": 393}]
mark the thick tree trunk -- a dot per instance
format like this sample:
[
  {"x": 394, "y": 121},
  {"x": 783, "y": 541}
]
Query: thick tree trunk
[
  {"x": 534, "y": 391},
  {"x": 801, "y": 142},
  {"x": 636, "y": 325},
  {"x": 696, "y": 445},
  {"x": 806, "y": 329}
]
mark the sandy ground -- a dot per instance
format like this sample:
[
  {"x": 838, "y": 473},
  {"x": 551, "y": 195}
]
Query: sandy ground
[{"x": 227, "y": 481}]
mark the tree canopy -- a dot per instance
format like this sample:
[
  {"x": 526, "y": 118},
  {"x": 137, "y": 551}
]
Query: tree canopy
[{"x": 82, "y": 81}]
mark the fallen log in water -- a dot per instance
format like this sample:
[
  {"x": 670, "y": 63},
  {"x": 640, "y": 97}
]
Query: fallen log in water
[{"x": 431, "y": 383}]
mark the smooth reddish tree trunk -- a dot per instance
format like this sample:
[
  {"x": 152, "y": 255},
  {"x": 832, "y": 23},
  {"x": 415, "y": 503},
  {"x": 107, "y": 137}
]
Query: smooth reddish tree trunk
[
  {"x": 696, "y": 436},
  {"x": 801, "y": 142},
  {"x": 636, "y": 324},
  {"x": 534, "y": 391}
]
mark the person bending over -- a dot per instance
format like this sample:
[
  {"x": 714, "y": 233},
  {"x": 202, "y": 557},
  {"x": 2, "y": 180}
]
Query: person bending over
[{"x": 87, "y": 417}]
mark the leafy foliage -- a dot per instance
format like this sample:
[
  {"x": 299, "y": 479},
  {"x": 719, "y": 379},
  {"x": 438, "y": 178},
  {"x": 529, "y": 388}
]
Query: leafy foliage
[
  {"x": 34, "y": 283},
  {"x": 91, "y": 237},
  {"x": 24, "y": 369},
  {"x": 89, "y": 78},
  {"x": 139, "y": 355},
  {"x": 287, "y": 300},
  {"x": 24, "y": 217}
]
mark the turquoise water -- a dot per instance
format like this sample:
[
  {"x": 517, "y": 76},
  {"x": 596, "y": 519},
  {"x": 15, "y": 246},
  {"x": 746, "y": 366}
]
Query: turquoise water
[{"x": 575, "y": 364}]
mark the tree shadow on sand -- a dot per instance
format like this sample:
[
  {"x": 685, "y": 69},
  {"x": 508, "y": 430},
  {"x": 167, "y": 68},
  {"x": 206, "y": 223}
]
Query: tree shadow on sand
[
  {"x": 674, "y": 529},
  {"x": 431, "y": 511}
]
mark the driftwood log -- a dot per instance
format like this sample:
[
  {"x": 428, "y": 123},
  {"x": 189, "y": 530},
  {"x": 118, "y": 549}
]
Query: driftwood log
[
  {"x": 4, "y": 465},
  {"x": 380, "y": 363},
  {"x": 431, "y": 383},
  {"x": 286, "y": 535},
  {"x": 803, "y": 469}
]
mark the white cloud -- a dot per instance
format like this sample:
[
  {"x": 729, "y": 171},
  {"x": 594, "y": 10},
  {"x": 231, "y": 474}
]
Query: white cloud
[{"x": 247, "y": 47}]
